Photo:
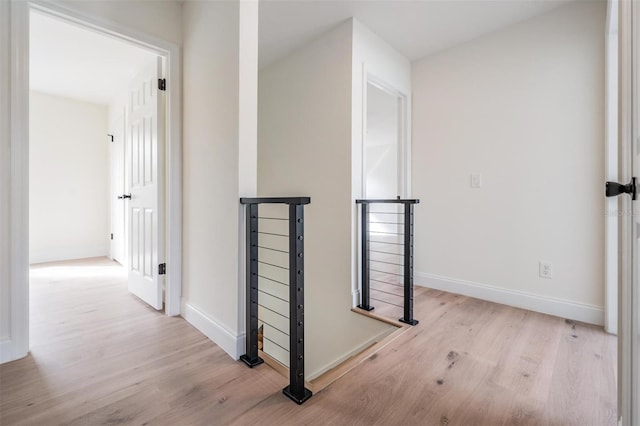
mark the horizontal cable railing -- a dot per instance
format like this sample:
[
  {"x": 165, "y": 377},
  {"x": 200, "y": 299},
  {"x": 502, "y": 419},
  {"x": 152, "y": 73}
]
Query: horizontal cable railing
[
  {"x": 275, "y": 288},
  {"x": 386, "y": 248}
]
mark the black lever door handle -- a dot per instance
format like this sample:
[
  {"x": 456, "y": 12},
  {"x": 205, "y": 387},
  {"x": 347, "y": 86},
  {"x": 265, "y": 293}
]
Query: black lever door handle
[
  {"x": 613, "y": 189},
  {"x": 123, "y": 196}
]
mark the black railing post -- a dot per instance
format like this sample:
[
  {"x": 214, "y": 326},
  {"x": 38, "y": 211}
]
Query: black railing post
[
  {"x": 251, "y": 357},
  {"x": 408, "y": 265},
  {"x": 365, "y": 299},
  {"x": 296, "y": 390}
]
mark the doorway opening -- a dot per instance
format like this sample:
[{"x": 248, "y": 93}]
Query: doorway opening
[
  {"x": 385, "y": 177},
  {"x": 384, "y": 163},
  {"x": 95, "y": 152},
  {"x": 169, "y": 200}
]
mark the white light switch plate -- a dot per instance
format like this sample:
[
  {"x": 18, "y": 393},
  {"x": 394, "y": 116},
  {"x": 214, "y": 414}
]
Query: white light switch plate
[{"x": 476, "y": 180}]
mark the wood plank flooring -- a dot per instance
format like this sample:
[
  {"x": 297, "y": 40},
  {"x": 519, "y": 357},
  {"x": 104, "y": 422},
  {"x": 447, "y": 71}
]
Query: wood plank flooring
[{"x": 100, "y": 356}]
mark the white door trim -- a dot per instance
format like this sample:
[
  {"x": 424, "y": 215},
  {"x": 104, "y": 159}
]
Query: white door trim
[
  {"x": 611, "y": 169},
  {"x": 19, "y": 145},
  {"x": 627, "y": 405}
]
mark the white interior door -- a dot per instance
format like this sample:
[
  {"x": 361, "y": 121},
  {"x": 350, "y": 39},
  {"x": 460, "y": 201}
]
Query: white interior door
[
  {"x": 145, "y": 144},
  {"x": 118, "y": 229},
  {"x": 629, "y": 108}
]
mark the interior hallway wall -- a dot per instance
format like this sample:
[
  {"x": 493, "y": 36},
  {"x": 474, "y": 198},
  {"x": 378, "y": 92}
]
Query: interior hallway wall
[
  {"x": 160, "y": 19},
  {"x": 524, "y": 107},
  {"x": 304, "y": 123},
  {"x": 5, "y": 179},
  {"x": 219, "y": 138},
  {"x": 68, "y": 179}
]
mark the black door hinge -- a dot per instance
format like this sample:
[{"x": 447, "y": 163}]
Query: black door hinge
[
  {"x": 112, "y": 236},
  {"x": 162, "y": 269},
  {"x": 162, "y": 84}
]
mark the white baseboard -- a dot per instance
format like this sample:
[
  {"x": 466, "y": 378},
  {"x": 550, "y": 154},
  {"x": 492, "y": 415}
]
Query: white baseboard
[
  {"x": 355, "y": 295},
  {"x": 547, "y": 305},
  {"x": 228, "y": 341},
  {"x": 6, "y": 351},
  {"x": 42, "y": 256}
]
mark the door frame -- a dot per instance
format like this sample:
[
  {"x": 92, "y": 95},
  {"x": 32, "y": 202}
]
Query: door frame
[
  {"x": 611, "y": 169},
  {"x": 119, "y": 121},
  {"x": 629, "y": 36},
  {"x": 404, "y": 159},
  {"x": 19, "y": 12}
]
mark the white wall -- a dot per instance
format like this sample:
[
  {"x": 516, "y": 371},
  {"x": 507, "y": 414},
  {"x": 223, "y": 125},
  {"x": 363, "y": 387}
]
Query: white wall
[
  {"x": 220, "y": 102},
  {"x": 68, "y": 179},
  {"x": 525, "y": 107},
  {"x": 304, "y": 128},
  {"x": 611, "y": 169},
  {"x": 161, "y": 19},
  {"x": 5, "y": 173},
  {"x": 373, "y": 58}
]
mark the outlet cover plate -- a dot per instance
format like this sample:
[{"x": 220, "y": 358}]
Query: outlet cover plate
[{"x": 545, "y": 269}]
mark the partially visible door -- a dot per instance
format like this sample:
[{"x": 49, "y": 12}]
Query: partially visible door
[
  {"x": 382, "y": 159},
  {"x": 634, "y": 290},
  {"x": 145, "y": 144},
  {"x": 118, "y": 229},
  {"x": 629, "y": 134}
]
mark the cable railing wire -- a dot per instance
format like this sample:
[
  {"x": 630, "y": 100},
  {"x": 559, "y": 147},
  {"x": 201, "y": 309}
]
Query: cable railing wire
[
  {"x": 283, "y": 348},
  {"x": 275, "y": 312},
  {"x": 385, "y": 272},
  {"x": 384, "y": 301},
  {"x": 255, "y": 276},
  {"x": 386, "y": 282},
  {"x": 385, "y": 252},
  {"x": 272, "y": 233},
  {"x": 371, "y": 241},
  {"x": 273, "y": 295},
  {"x": 273, "y": 249},
  {"x": 271, "y": 264},
  {"x": 272, "y": 326},
  {"x": 388, "y": 263},
  {"x": 386, "y": 292},
  {"x": 275, "y": 281}
]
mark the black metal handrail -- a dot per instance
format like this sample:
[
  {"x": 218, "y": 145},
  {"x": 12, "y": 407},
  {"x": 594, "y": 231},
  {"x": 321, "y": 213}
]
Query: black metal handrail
[
  {"x": 296, "y": 389},
  {"x": 407, "y": 255}
]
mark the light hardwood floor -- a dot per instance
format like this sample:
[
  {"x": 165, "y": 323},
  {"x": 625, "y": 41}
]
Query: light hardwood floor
[{"x": 100, "y": 356}]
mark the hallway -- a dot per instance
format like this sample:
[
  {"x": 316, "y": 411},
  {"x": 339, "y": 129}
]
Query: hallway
[{"x": 101, "y": 356}]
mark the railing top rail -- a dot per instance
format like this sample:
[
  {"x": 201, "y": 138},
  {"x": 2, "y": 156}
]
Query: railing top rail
[
  {"x": 389, "y": 201},
  {"x": 276, "y": 200}
]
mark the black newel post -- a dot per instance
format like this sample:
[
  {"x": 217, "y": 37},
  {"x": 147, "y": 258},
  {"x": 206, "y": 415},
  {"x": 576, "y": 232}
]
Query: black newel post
[
  {"x": 408, "y": 265},
  {"x": 296, "y": 390},
  {"x": 364, "y": 241},
  {"x": 251, "y": 357}
]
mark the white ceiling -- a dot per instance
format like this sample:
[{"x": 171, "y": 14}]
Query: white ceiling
[
  {"x": 73, "y": 62},
  {"x": 416, "y": 28},
  {"x": 70, "y": 61}
]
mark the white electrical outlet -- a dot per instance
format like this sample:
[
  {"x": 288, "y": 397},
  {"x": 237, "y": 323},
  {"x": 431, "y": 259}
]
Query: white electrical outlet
[
  {"x": 545, "y": 269},
  {"x": 476, "y": 180}
]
